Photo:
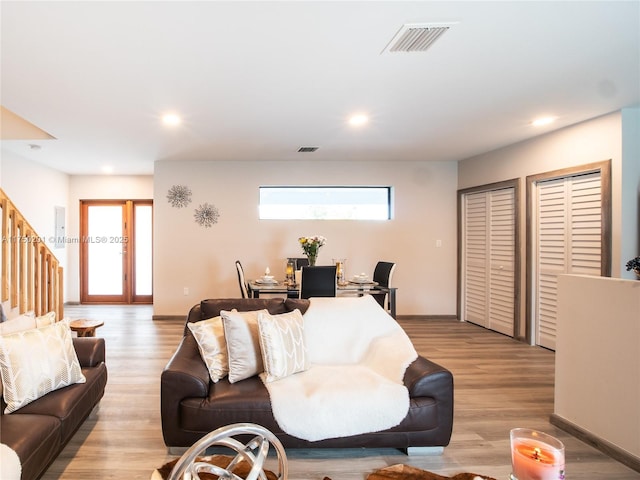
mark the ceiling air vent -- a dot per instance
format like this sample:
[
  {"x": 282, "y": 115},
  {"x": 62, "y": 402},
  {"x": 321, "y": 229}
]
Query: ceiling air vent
[
  {"x": 414, "y": 37},
  {"x": 307, "y": 149}
]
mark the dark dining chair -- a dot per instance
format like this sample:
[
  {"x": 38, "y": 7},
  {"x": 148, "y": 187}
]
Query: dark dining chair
[
  {"x": 318, "y": 282},
  {"x": 382, "y": 275},
  {"x": 243, "y": 284},
  {"x": 300, "y": 262}
]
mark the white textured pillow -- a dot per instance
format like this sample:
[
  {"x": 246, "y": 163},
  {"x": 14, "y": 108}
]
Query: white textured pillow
[
  {"x": 213, "y": 348},
  {"x": 36, "y": 362},
  {"x": 243, "y": 344},
  {"x": 23, "y": 322},
  {"x": 46, "y": 319},
  {"x": 282, "y": 343}
]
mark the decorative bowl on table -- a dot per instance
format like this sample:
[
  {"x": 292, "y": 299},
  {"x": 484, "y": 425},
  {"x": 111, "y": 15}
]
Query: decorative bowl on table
[
  {"x": 267, "y": 279},
  {"x": 361, "y": 278}
]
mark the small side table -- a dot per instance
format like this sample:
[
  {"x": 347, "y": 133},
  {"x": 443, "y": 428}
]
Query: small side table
[{"x": 85, "y": 327}]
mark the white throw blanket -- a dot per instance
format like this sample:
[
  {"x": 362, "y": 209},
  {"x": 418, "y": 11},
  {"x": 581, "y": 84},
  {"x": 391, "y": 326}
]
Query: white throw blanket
[
  {"x": 10, "y": 467},
  {"x": 358, "y": 356}
]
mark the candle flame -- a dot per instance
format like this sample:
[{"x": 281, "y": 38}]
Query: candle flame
[{"x": 536, "y": 454}]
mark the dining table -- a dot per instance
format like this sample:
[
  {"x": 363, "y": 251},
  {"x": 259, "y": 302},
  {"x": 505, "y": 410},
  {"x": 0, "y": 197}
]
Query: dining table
[{"x": 257, "y": 288}]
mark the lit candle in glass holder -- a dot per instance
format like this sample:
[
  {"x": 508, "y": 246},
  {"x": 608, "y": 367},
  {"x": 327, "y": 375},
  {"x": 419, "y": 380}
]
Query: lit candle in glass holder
[
  {"x": 290, "y": 270},
  {"x": 536, "y": 456},
  {"x": 339, "y": 269}
]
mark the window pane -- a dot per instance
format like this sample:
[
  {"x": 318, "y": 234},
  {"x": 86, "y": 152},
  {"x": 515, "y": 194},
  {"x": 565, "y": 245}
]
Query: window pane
[
  {"x": 325, "y": 203},
  {"x": 105, "y": 257},
  {"x": 143, "y": 243}
]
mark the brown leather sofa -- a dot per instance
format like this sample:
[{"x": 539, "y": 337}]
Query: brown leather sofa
[
  {"x": 40, "y": 430},
  {"x": 192, "y": 405}
]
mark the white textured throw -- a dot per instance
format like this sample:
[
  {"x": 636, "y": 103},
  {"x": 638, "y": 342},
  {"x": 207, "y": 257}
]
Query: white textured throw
[
  {"x": 10, "y": 467},
  {"x": 358, "y": 355}
]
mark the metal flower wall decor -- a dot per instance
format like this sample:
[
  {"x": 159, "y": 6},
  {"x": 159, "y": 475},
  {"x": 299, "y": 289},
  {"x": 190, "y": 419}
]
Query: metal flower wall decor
[
  {"x": 179, "y": 196},
  {"x": 206, "y": 215}
]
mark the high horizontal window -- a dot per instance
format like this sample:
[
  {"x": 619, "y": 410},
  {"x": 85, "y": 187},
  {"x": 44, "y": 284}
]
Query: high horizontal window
[{"x": 325, "y": 203}]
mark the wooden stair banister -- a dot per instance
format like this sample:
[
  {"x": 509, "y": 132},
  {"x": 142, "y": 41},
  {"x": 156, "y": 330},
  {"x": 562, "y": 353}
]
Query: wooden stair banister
[{"x": 32, "y": 278}]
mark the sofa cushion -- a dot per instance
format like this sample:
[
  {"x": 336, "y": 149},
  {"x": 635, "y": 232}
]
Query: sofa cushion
[
  {"x": 36, "y": 362},
  {"x": 301, "y": 304},
  {"x": 37, "y": 448},
  {"x": 212, "y": 346},
  {"x": 243, "y": 343},
  {"x": 243, "y": 401},
  {"x": 72, "y": 404},
  {"x": 282, "y": 344},
  {"x": 212, "y": 307}
]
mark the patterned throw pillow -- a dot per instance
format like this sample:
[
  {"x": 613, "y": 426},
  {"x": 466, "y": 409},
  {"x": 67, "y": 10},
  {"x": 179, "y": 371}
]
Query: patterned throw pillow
[
  {"x": 243, "y": 344},
  {"x": 36, "y": 362},
  {"x": 282, "y": 344},
  {"x": 46, "y": 319},
  {"x": 209, "y": 335}
]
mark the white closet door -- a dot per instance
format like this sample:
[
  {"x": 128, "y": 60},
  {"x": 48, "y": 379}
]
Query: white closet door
[
  {"x": 502, "y": 261},
  {"x": 475, "y": 259},
  {"x": 569, "y": 227},
  {"x": 489, "y": 249}
]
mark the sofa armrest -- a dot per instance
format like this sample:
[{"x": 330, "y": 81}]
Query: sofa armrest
[
  {"x": 185, "y": 376},
  {"x": 90, "y": 351},
  {"x": 424, "y": 378},
  {"x": 187, "y": 368}
]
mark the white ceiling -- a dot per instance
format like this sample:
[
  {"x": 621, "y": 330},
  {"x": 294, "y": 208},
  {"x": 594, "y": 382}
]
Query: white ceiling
[{"x": 257, "y": 80}]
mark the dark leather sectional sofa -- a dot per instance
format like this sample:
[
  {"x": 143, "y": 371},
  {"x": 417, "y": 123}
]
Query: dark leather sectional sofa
[
  {"x": 192, "y": 405},
  {"x": 40, "y": 430}
]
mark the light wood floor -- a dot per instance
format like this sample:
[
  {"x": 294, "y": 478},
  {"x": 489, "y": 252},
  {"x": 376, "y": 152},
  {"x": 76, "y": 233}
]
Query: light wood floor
[{"x": 499, "y": 384}]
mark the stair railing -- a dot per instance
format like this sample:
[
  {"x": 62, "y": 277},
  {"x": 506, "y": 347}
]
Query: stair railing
[{"x": 32, "y": 278}]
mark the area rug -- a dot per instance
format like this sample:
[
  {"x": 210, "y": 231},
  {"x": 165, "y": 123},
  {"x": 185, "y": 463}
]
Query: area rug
[
  {"x": 393, "y": 472},
  {"x": 242, "y": 469},
  {"x": 406, "y": 472}
]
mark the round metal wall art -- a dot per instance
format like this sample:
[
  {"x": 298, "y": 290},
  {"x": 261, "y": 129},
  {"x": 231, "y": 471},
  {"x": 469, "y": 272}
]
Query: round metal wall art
[
  {"x": 206, "y": 215},
  {"x": 179, "y": 196}
]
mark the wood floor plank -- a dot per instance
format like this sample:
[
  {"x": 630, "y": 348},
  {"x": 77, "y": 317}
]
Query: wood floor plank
[{"x": 499, "y": 384}]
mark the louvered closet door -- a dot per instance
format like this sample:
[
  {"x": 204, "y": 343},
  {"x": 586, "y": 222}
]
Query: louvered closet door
[
  {"x": 475, "y": 259},
  {"x": 489, "y": 246},
  {"x": 502, "y": 260},
  {"x": 569, "y": 223}
]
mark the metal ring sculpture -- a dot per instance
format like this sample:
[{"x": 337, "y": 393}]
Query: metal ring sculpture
[{"x": 188, "y": 467}]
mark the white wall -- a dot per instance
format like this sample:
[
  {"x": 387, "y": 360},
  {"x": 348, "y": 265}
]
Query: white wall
[
  {"x": 202, "y": 259},
  {"x": 598, "y": 358},
  {"x": 98, "y": 187},
  {"x": 36, "y": 190},
  {"x": 587, "y": 142},
  {"x": 630, "y": 194}
]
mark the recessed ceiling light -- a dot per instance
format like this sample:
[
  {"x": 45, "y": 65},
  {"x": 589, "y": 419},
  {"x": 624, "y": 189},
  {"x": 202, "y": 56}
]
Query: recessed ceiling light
[
  {"x": 171, "y": 119},
  {"x": 542, "y": 121},
  {"x": 358, "y": 120}
]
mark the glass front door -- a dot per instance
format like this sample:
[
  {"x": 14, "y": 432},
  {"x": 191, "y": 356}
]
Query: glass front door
[{"x": 116, "y": 251}]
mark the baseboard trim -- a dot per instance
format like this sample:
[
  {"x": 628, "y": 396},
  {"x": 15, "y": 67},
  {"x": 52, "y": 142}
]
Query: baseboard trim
[
  {"x": 601, "y": 444},
  {"x": 168, "y": 317},
  {"x": 426, "y": 317}
]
